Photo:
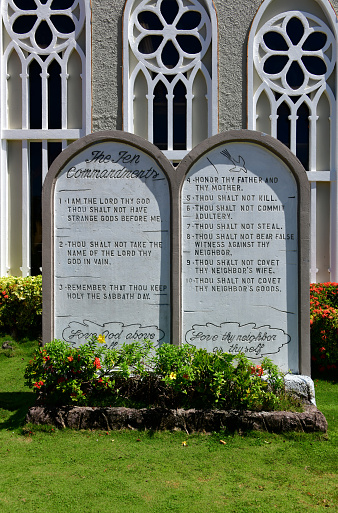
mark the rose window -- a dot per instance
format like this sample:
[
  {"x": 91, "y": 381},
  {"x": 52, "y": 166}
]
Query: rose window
[
  {"x": 295, "y": 53},
  {"x": 169, "y": 36},
  {"x": 43, "y": 26}
]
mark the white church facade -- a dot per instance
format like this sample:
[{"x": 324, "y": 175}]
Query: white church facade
[{"x": 173, "y": 72}]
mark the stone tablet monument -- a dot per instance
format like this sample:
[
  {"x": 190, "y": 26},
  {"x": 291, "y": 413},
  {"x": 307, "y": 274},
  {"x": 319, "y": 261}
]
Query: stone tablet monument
[
  {"x": 245, "y": 230},
  {"x": 214, "y": 253},
  {"x": 106, "y": 250}
]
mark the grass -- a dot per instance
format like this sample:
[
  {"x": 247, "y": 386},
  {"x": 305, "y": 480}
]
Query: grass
[{"x": 45, "y": 469}]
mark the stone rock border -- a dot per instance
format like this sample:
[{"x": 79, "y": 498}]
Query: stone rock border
[{"x": 111, "y": 419}]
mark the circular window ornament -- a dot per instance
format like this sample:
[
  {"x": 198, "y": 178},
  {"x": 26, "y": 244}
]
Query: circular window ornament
[
  {"x": 168, "y": 36},
  {"x": 294, "y": 53},
  {"x": 44, "y": 26}
]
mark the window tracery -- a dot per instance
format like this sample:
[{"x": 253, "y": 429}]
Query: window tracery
[
  {"x": 292, "y": 96},
  {"x": 46, "y": 103},
  {"x": 170, "y": 75}
]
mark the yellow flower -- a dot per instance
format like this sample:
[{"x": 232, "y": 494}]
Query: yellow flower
[
  {"x": 184, "y": 444},
  {"x": 101, "y": 339},
  {"x": 172, "y": 375}
]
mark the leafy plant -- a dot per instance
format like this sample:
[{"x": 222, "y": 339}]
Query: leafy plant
[
  {"x": 324, "y": 327},
  {"x": 21, "y": 304},
  {"x": 138, "y": 374}
]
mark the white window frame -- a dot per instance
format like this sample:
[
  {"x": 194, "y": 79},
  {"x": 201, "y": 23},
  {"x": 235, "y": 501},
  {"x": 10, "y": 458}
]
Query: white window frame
[
  {"x": 27, "y": 50},
  {"x": 134, "y": 62},
  {"x": 315, "y": 176}
]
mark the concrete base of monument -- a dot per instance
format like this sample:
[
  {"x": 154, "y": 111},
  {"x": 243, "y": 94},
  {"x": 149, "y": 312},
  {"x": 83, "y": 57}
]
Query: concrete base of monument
[
  {"x": 190, "y": 421},
  {"x": 301, "y": 386}
]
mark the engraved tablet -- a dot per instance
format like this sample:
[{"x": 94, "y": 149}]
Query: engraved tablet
[
  {"x": 111, "y": 246},
  {"x": 240, "y": 254}
]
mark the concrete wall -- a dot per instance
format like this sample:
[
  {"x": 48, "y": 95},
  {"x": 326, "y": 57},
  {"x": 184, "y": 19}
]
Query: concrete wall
[{"x": 107, "y": 64}]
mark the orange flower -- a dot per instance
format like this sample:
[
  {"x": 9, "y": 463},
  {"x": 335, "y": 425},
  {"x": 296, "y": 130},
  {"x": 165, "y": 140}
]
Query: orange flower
[{"x": 97, "y": 363}]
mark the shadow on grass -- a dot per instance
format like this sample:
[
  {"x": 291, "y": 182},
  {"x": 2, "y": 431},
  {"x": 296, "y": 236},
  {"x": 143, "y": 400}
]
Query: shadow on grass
[{"x": 14, "y": 406}]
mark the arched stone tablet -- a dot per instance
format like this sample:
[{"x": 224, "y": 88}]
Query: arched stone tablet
[
  {"x": 214, "y": 253},
  {"x": 106, "y": 241},
  {"x": 244, "y": 208}
]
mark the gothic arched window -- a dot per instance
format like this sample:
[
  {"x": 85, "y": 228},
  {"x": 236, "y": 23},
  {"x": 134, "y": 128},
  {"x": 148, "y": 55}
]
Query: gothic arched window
[
  {"x": 292, "y": 96},
  {"x": 45, "y": 104},
  {"x": 170, "y": 72}
]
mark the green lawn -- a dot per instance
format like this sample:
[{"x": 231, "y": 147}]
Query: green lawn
[{"x": 57, "y": 471}]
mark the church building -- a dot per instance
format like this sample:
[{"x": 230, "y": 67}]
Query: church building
[{"x": 174, "y": 72}]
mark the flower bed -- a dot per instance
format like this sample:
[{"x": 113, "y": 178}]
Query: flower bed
[
  {"x": 324, "y": 329},
  {"x": 141, "y": 387},
  {"x": 21, "y": 304},
  {"x": 140, "y": 375}
]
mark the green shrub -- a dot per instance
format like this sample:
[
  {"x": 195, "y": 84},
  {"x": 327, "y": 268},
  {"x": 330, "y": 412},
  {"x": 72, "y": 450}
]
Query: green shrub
[
  {"x": 138, "y": 374},
  {"x": 324, "y": 328},
  {"x": 21, "y": 304}
]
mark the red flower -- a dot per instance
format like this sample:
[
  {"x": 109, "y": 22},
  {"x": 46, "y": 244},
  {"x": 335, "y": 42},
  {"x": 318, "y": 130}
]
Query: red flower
[
  {"x": 257, "y": 370},
  {"x": 313, "y": 358},
  {"x": 38, "y": 384},
  {"x": 61, "y": 380},
  {"x": 322, "y": 349},
  {"x": 97, "y": 363},
  {"x": 186, "y": 376},
  {"x": 70, "y": 358}
]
